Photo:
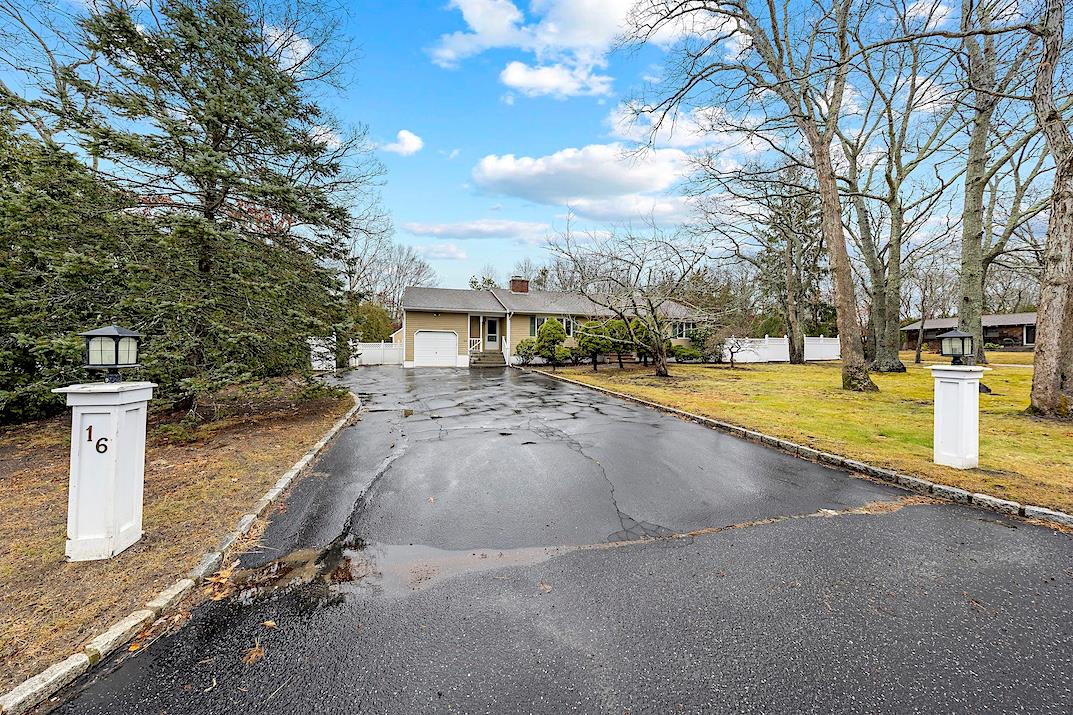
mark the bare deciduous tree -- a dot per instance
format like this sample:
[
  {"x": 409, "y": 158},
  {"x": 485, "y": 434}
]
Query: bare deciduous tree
[
  {"x": 1052, "y": 379},
  {"x": 636, "y": 276},
  {"x": 995, "y": 67},
  {"x": 902, "y": 117},
  {"x": 796, "y": 66},
  {"x": 769, "y": 218}
]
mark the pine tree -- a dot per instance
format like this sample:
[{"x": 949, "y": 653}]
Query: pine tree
[{"x": 200, "y": 124}]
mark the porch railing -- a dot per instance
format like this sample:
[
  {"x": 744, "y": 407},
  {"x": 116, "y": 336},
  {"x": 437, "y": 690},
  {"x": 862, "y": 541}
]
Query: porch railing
[{"x": 474, "y": 345}]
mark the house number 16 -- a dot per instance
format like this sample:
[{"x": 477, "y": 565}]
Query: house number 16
[{"x": 102, "y": 442}]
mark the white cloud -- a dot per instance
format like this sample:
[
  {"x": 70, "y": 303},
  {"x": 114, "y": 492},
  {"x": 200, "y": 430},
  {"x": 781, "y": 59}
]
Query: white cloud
[
  {"x": 931, "y": 12},
  {"x": 600, "y": 181},
  {"x": 594, "y": 171},
  {"x": 661, "y": 209},
  {"x": 326, "y": 136},
  {"x": 406, "y": 143},
  {"x": 492, "y": 23},
  {"x": 569, "y": 40},
  {"x": 480, "y": 228},
  {"x": 557, "y": 80},
  {"x": 290, "y": 49},
  {"x": 441, "y": 252},
  {"x": 932, "y": 96}
]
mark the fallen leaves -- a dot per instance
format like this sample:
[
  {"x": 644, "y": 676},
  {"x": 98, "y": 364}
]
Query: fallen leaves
[
  {"x": 254, "y": 654},
  {"x": 219, "y": 585},
  {"x": 269, "y": 624},
  {"x": 544, "y": 586}
]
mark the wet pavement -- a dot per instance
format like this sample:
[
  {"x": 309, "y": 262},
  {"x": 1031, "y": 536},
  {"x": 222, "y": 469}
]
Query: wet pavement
[{"x": 492, "y": 541}]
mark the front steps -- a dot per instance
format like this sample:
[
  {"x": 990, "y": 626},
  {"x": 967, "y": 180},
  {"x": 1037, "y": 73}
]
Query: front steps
[{"x": 487, "y": 360}]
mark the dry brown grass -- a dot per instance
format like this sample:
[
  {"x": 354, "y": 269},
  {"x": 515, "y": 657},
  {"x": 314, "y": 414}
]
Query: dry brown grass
[{"x": 200, "y": 477}]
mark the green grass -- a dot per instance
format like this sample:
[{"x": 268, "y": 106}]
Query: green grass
[
  {"x": 995, "y": 357},
  {"x": 1023, "y": 458}
]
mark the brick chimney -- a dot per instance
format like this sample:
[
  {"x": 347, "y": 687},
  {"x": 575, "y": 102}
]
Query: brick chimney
[{"x": 519, "y": 284}]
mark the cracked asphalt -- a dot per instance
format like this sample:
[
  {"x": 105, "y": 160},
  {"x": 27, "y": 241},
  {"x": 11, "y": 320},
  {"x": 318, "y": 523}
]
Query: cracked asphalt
[{"x": 492, "y": 541}]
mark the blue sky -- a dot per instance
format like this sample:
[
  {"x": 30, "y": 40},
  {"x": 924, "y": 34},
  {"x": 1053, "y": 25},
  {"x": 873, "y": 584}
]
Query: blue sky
[{"x": 513, "y": 106}]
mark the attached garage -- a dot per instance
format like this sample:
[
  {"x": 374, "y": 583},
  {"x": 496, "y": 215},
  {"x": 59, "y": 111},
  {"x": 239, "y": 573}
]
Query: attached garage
[{"x": 435, "y": 348}]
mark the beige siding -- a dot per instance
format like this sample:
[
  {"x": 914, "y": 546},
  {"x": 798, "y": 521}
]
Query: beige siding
[
  {"x": 519, "y": 330},
  {"x": 431, "y": 321}
]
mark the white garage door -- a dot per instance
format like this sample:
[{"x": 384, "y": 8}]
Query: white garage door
[{"x": 435, "y": 348}]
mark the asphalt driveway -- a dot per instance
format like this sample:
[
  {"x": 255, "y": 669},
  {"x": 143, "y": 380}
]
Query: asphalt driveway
[{"x": 491, "y": 541}]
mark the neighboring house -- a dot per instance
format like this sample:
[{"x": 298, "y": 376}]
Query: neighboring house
[
  {"x": 1010, "y": 330},
  {"x": 446, "y": 327}
]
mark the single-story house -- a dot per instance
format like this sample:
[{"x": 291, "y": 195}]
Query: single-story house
[
  {"x": 1010, "y": 330},
  {"x": 447, "y": 327}
]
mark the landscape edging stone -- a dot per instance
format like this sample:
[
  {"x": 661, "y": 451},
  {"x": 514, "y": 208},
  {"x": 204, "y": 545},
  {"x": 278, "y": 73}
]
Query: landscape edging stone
[{"x": 956, "y": 494}]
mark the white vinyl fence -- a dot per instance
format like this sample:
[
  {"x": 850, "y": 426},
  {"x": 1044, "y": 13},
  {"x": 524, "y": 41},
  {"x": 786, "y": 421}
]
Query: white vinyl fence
[
  {"x": 322, "y": 354},
  {"x": 375, "y": 354},
  {"x": 769, "y": 349}
]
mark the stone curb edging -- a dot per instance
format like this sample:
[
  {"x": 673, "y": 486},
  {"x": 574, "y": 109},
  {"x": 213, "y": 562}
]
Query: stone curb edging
[
  {"x": 905, "y": 481},
  {"x": 38, "y": 688}
]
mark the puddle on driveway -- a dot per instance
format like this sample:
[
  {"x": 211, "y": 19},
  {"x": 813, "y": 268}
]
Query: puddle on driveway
[
  {"x": 395, "y": 570},
  {"x": 351, "y": 566},
  {"x": 390, "y": 570}
]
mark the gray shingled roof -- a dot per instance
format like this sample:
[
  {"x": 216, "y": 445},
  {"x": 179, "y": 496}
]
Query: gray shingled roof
[
  {"x": 451, "y": 300},
  {"x": 989, "y": 321},
  {"x": 499, "y": 300}
]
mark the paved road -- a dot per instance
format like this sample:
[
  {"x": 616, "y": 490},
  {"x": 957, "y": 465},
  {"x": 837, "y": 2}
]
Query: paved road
[{"x": 474, "y": 544}]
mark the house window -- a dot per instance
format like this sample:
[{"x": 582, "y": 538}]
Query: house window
[
  {"x": 1030, "y": 335},
  {"x": 681, "y": 330},
  {"x": 535, "y": 323}
]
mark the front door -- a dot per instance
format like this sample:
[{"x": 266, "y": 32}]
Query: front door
[{"x": 492, "y": 334}]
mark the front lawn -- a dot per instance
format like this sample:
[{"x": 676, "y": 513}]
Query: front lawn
[
  {"x": 994, "y": 357},
  {"x": 200, "y": 477},
  {"x": 1023, "y": 458}
]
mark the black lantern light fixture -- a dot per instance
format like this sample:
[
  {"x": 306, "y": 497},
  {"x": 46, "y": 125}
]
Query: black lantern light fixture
[
  {"x": 111, "y": 348},
  {"x": 957, "y": 345}
]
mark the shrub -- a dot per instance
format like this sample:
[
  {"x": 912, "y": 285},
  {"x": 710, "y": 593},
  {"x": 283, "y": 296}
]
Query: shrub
[
  {"x": 562, "y": 355},
  {"x": 550, "y": 336},
  {"x": 526, "y": 351},
  {"x": 593, "y": 341},
  {"x": 685, "y": 353}
]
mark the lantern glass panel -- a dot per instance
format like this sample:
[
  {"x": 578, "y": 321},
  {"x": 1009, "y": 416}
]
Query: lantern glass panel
[
  {"x": 128, "y": 351},
  {"x": 101, "y": 351},
  {"x": 953, "y": 346}
]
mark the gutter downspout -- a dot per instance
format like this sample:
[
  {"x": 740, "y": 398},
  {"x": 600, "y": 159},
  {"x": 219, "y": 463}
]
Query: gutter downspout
[{"x": 506, "y": 345}]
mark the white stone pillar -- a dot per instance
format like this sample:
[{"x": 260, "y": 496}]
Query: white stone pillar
[
  {"x": 957, "y": 415},
  {"x": 104, "y": 504}
]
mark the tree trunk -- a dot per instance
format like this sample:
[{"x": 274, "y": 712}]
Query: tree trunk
[
  {"x": 888, "y": 335},
  {"x": 1052, "y": 379},
  {"x": 970, "y": 306},
  {"x": 594, "y": 364},
  {"x": 660, "y": 363},
  {"x": 854, "y": 369},
  {"x": 794, "y": 331},
  {"x": 619, "y": 359}
]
